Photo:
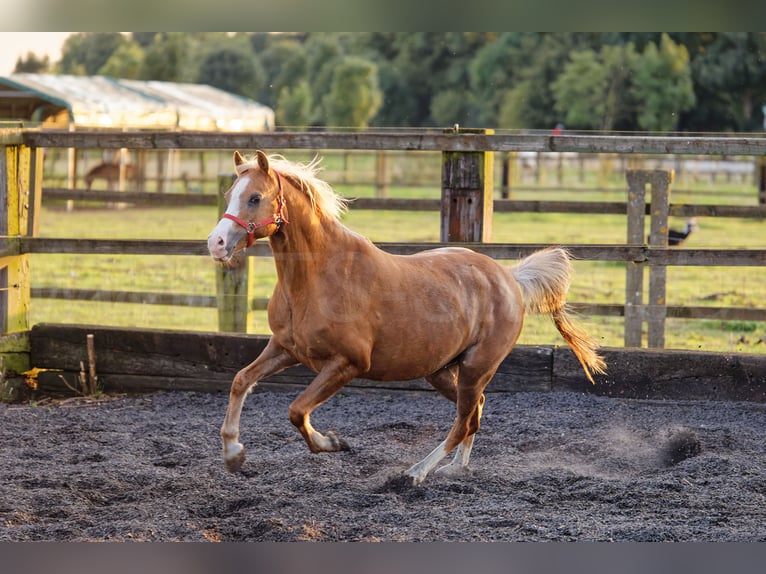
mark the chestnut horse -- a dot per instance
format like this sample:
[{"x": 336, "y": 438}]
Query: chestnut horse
[
  {"x": 109, "y": 172},
  {"x": 346, "y": 309}
]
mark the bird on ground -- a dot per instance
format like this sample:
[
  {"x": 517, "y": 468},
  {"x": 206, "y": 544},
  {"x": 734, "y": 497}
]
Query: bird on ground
[{"x": 676, "y": 237}]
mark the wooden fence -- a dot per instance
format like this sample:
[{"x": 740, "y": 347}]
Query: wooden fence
[{"x": 466, "y": 206}]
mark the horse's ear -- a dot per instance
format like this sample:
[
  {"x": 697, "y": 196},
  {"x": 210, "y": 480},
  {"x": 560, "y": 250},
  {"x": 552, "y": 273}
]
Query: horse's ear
[
  {"x": 263, "y": 161},
  {"x": 238, "y": 159}
]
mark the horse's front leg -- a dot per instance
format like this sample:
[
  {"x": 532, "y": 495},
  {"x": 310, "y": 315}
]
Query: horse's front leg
[
  {"x": 331, "y": 378},
  {"x": 273, "y": 359}
]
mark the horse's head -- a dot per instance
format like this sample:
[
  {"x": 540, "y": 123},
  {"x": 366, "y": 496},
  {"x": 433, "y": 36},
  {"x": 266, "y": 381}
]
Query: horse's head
[{"x": 255, "y": 208}]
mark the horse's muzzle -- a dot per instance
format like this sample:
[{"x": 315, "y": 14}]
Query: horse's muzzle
[{"x": 217, "y": 246}]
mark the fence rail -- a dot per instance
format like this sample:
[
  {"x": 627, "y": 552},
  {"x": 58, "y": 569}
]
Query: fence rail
[
  {"x": 402, "y": 140},
  {"x": 402, "y": 204},
  {"x": 504, "y": 251}
]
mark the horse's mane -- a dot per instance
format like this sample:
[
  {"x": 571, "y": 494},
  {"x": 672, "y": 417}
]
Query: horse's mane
[{"x": 323, "y": 198}]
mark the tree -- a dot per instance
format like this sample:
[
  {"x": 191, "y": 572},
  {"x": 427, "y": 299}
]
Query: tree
[
  {"x": 232, "y": 70},
  {"x": 86, "y": 53},
  {"x": 323, "y": 55},
  {"x": 294, "y": 105},
  {"x": 494, "y": 71},
  {"x": 354, "y": 96},
  {"x": 451, "y": 107},
  {"x": 166, "y": 59},
  {"x": 284, "y": 63},
  {"x": 125, "y": 61},
  {"x": 663, "y": 85},
  {"x": 730, "y": 78},
  {"x": 32, "y": 64},
  {"x": 592, "y": 90}
]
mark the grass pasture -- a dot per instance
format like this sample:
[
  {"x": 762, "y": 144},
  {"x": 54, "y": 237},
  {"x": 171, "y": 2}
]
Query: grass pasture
[{"x": 594, "y": 282}]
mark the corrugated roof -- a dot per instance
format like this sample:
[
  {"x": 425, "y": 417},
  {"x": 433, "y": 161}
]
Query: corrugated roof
[{"x": 104, "y": 102}]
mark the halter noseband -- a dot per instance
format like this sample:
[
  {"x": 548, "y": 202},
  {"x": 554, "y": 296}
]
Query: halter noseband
[{"x": 250, "y": 226}]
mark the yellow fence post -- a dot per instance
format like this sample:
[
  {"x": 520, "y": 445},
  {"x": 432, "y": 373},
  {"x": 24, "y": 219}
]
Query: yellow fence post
[
  {"x": 20, "y": 187},
  {"x": 17, "y": 181}
]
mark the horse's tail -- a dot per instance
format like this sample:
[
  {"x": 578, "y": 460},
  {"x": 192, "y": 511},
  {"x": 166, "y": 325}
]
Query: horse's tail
[{"x": 544, "y": 279}]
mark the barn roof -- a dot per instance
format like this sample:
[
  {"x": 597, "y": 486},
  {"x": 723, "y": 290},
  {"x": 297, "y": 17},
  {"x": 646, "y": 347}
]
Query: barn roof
[{"x": 105, "y": 102}]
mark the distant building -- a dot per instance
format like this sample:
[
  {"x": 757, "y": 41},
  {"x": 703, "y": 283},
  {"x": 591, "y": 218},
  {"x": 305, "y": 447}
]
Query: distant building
[{"x": 63, "y": 101}]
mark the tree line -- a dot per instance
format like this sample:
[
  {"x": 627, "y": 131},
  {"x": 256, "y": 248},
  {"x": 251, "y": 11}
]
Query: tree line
[{"x": 686, "y": 81}]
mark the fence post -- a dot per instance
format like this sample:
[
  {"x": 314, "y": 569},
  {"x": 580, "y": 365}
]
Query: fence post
[
  {"x": 232, "y": 281},
  {"x": 505, "y": 175},
  {"x": 761, "y": 177},
  {"x": 467, "y": 185},
  {"x": 18, "y": 172},
  {"x": 381, "y": 174},
  {"x": 656, "y": 311},
  {"x": 634, "y": 271},
  {"x": 20, "y": 186}
]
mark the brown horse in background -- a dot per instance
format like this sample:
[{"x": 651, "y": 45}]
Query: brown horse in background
[
  {"x": 110, "y": 172},
  {"x": 346, "y": 309}
]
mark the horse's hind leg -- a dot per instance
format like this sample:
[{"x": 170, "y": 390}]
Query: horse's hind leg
[
  {"x": 272, "y": 360},
  {"x": 470, "y": 400},
  {"x": 459, "y": 463},
  {"x": 445, "y": 382}
]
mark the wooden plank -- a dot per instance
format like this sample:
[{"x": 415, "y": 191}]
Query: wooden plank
[
  {"x": 132, "y": 197},
  {"x": 144, "y": 352},
  {"x": 138, "y": 297},
  {"x": 405, "y": 204},
  {"x": 677, "y": 312},
  {"x": 527, "y": 368},
  {"x": 149, "y": 360},
  {"x": 420, "y": 140},
  {"x": 658, "y": 374},
  {"x": 503, "y": 251}
]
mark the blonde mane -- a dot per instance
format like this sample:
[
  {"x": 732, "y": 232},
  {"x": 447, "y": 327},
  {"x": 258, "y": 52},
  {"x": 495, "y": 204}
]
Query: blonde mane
[{"x": 323, "y": 198}]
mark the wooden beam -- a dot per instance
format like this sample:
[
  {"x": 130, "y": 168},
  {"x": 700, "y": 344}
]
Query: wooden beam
[
  {"x": 150, "y": 359},
  {"x": 404, "y": 204},
  {"x": 504, "y": 251},
  {"x": 420, "y": 140}
]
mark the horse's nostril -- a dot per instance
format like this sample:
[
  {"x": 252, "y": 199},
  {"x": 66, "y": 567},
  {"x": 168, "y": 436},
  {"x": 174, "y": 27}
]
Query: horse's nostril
[{"x": 220, "y": 241}]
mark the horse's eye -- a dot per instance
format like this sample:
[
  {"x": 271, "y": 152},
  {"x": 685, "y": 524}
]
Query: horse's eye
[{"x": 254, "y": 199}]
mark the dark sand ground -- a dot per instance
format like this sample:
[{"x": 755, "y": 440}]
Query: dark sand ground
[{"x": 545, "y": 466}]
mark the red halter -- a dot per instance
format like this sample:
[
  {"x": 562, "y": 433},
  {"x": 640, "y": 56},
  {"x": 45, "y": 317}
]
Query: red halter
[{"x": 250, "y": 226}]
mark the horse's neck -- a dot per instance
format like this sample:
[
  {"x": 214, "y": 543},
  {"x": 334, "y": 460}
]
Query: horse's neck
[{"x": 305, "y": 245}]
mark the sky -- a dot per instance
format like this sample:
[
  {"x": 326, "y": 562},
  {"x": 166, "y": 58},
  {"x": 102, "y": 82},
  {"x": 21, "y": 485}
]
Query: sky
[{"x": 15, "y": 44}]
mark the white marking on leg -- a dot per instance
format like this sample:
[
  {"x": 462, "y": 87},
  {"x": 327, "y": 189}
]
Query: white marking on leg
[
  {"x": 419, "y": 471},
  {"x": 459, "y": 463},
  {"x": 230, "y": 428}
]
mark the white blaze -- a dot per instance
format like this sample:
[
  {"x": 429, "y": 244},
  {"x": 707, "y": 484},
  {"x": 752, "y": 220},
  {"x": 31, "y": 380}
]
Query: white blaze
[{"x": 216, "y": 241}]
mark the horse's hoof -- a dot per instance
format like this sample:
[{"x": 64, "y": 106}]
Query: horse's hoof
[
  {"x": 414, "y": 475},
  {"x": 453, "y": 470},
  {"x": 336, "y": 442},
  {"x": 234, "y": 464}
]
